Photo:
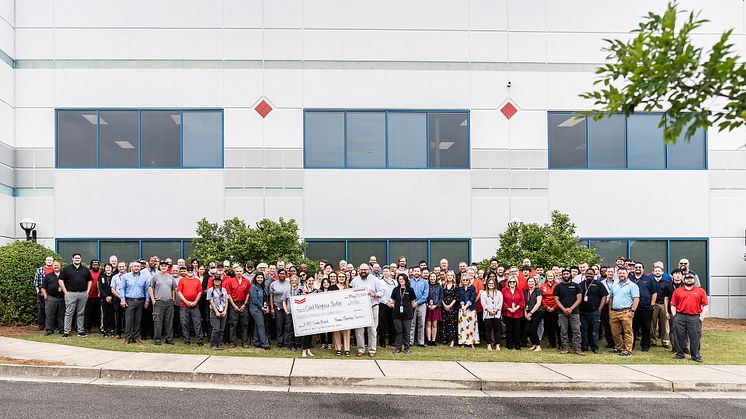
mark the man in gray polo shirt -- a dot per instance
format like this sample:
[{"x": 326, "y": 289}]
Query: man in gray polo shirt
[{"x": 162, "y": 290}]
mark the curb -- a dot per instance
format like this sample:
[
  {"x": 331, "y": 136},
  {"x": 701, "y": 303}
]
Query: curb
[{"x": 93, "y": 373}]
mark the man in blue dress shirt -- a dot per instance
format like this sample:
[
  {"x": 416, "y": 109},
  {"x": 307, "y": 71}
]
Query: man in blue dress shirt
[{"x": 134, "y": 293}]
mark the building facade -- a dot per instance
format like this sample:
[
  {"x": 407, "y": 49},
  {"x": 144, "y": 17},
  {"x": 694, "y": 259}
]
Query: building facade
[{"x": 417, "y": 128}]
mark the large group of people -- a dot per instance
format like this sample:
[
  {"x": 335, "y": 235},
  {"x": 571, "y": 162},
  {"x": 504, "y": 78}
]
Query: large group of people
[{"x": 570, "y": 309}]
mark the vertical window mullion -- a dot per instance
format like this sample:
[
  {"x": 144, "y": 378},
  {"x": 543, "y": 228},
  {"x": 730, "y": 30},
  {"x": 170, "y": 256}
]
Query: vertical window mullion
[
  {"x": 345, "y": 146},
  {"x": 427, "y": 139},
  {"x": 386, "y": 141},
  {"x": 181, "y": 138},
  {"x": 98, "y": 126},
  {"x": 139, "y": 143}
]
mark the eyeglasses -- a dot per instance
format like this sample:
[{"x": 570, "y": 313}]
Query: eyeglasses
[{"x": 511, "y": 282}]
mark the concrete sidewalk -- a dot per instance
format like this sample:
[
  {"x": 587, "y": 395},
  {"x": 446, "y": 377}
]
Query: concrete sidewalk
[{"x": 84, "y": 365}]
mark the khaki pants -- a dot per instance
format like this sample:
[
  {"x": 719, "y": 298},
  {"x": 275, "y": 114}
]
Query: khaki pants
[
  {"x": 659, "y": 325},
  {"x": 621, "y": 329}
]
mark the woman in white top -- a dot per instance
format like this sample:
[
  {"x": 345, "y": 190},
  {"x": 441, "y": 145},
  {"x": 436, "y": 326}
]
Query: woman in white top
[{"x": 492, "y": 303}]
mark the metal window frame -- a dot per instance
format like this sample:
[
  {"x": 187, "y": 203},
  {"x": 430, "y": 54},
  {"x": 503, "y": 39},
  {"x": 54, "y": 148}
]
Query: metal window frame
[
  {"x": 181, "y": 111},
  {"x": 386, "y": 113},
  {"x": 119, "y": 239},
  {"x": 388, "y": 244},
  {"x": 668, "y": 241},
  {"x": 588, "y": 121}
]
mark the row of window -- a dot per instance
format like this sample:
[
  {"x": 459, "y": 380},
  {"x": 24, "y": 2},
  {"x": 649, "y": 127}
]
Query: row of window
[
  {"x": 139, "y": 138},
  {"x": 125, "y": 249},
  {"x": 648, "y": 251},
  {"x": 386, "y": 139},
  {"x": 389, "y": 251},
  {"x": 619, "y": 142}
]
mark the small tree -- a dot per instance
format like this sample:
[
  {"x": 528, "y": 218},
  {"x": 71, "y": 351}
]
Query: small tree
[
  {"x": 18, "y": 263},
  {"x": 234, "y": 240},
  {"x": 546, "y": 244},
  {"x": 661, "y": 69}
]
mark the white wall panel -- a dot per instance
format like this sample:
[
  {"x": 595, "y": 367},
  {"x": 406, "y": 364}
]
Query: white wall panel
[
  {"x": 284, "y": 88},
  {"x": 384, "y": 14},
  {"x": 488, "y": 14},
  {"x": 7, "y": 124},
  {"x": 243, "y": 13},
  {"x": 242, "y": 44},
  {"x": 283, "y": 14},
  {"x": 528, "y": 90},
  {"x": 34, "y": 88},
  {"x": 284, "y": 128},
  {"x": 243, "y": 128},
  {"x": 528, "y": 130},
  {"x": 384, "y": 45},
  {"x": 37, "y": 43},
  {"x": 7, "y": 11},
  {"x": 281, "y": 44},
  {"x": 726, "y": 140},
  {"x": 241, "y": 87},
  {"x": 7, "y": 84},
  {"x": 530, "y": 209},
  {"x": 34, "y": 127},
  {"x": 563, "y": 90},
  {"x": 526, "y": 15},
  {"x": 41, "y": 209},
  {"x": 488, "y": 89},
  {"x": 143, "y": 214},
  {"x": 528, "y": 47},
  {"x": 366, "y": 218},
  {"x": 139, "y": 88},
  {"x": 386, "y": 89},
  {"x": 488, "y": 46},
  {"x": 577, "y": 47},
  {"x": 719, "y": 307},
  {"x": 483, "y": 248},
  {"x": 489, "y": 129},
  {"x": 139, "y": 13},
  {"x": 569, "y": 190},
  {"x": 138, "y": 44},
  {"x": 726, "y": 257},
  {"x": 489, "y": 216},
  {"x": 7, "y": 38},
  {"x": 287, "y": 207},
  {"x": 598, "y": 16},
  {"x": 247, "y": 208},
  {"x": 34, "y": 13},
  {"x": 8, "y": 220}
]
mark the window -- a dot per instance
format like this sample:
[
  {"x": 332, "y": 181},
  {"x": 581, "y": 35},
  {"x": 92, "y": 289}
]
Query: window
[
  {"x": 388, "y": 251},
  {"x": 646, "y": 147},
  {"x": 366, "y": 139},
  {"x": 127, "y": 250},
  {"x": 607, "y": 146},
  {"x": 647, "y": 251},
  {"x": 449, "y": 140},
  {"x": 139, "y": 138},
  {"x": 203, "y": 139},
  {"x": 407, "y": 140},
  {"x": 76, "y": 138},
  {"x": 619, "y": 142},
  {"x": 386, "y": 139},
  {"x": 117, "y": 133},
  {"x": 160, "y": 135}
]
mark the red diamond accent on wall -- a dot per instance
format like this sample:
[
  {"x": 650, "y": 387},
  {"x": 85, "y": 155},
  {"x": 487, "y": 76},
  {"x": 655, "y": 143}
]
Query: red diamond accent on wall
[
  {"x": 263, "y": 108},
  {"x": 509, "y": 110}
]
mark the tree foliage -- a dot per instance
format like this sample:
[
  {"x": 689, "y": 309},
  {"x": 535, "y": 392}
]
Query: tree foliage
[
  {"x": 18, "y": 263},
  {"x": 545, "y": 244},
  {"x": 660, "y": 69},
  {"x": 234, "y": 240}
]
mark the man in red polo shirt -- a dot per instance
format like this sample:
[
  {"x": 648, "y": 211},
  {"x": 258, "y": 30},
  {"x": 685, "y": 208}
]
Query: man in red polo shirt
[
  {"x": 238, "y": 298},
  {"x": 189, "y": 292},
  {"x": 550, "y": 309},
  {"x": 688, "y": 306}
]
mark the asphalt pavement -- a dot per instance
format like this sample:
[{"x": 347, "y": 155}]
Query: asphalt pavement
[{"x": 47, "y": 400}]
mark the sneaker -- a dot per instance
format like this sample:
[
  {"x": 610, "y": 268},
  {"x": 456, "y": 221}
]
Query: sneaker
[
  {"x": 359, "y": 354},
  {"x": 625, "y": 353},
  {"x": 397, "y": 350},
  {"x": 82, "y": 334},
  {"x": 157, "y": 342},
  {"x": 564, "y": 351},
  {"x": 614, "y": 351},
  {"x": 370, "y": 354},
  {"x": 679, "y": 357},
  {"x": 581, "y": 353},
  {"x": 407, "y": 351},
  {"x": 697, "y": 359},
  {"x": 665, "y": 345},
  {"x": 49, "y": 332},
  {"x": 65, "y": 335}
]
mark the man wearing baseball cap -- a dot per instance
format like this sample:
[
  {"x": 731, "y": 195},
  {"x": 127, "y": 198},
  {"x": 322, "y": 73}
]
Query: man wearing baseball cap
[
  {"x": 689, "y": 305},
  {"x": 189, "y": 291}
]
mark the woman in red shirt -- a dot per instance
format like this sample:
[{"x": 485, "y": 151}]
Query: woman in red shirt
[{"x": 513, "y": 305}]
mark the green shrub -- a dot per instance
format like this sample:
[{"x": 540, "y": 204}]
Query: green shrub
[{"x": 18, "y": 263}]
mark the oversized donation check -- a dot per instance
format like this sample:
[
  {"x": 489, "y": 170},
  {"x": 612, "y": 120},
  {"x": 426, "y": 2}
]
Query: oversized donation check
[{"x": 331, "y": 311}]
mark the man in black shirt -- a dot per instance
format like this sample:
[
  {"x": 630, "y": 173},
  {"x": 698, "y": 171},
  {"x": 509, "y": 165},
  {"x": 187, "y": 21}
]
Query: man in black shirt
[
  {"x": 54, "y": 300},
  {"x": 594, "y": 300},
  {"x": 659, "y": 323},
  {"x": 567, "y": 296},
  {"x": 75, "y": 281}
]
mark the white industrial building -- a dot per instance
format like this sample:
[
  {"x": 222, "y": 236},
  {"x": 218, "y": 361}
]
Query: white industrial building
[{"x": 389, "y": 127}]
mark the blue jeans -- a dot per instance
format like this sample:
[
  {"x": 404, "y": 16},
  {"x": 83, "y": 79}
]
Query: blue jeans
[
  {"x": 590, "y": 324},
  {"x": 260, "y": 335}
]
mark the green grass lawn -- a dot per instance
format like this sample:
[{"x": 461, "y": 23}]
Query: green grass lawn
[{"x": 717, "y": 348}]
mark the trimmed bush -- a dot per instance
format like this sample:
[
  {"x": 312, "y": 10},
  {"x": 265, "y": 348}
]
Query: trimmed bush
[{"x": 18, "y": 263}]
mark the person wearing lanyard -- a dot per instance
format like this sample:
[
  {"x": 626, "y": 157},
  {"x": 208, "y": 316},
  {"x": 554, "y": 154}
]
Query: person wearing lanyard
[
  {"x": 689, "y": 305},
  {"x": 365, "y": 280},
  {"x": 594, "y": 299},
  {"x": 217, "y": 296},
  {"x": 385, "y": 312},
  {"x": 258, "y": 308},
  {"x": 135, "y": 297},
  {"x": 623, "y": 300},
  {"x": 607, "y": 280},
  {"x": 534, "y": 313},
  {"x": 402, "y": 302}
]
